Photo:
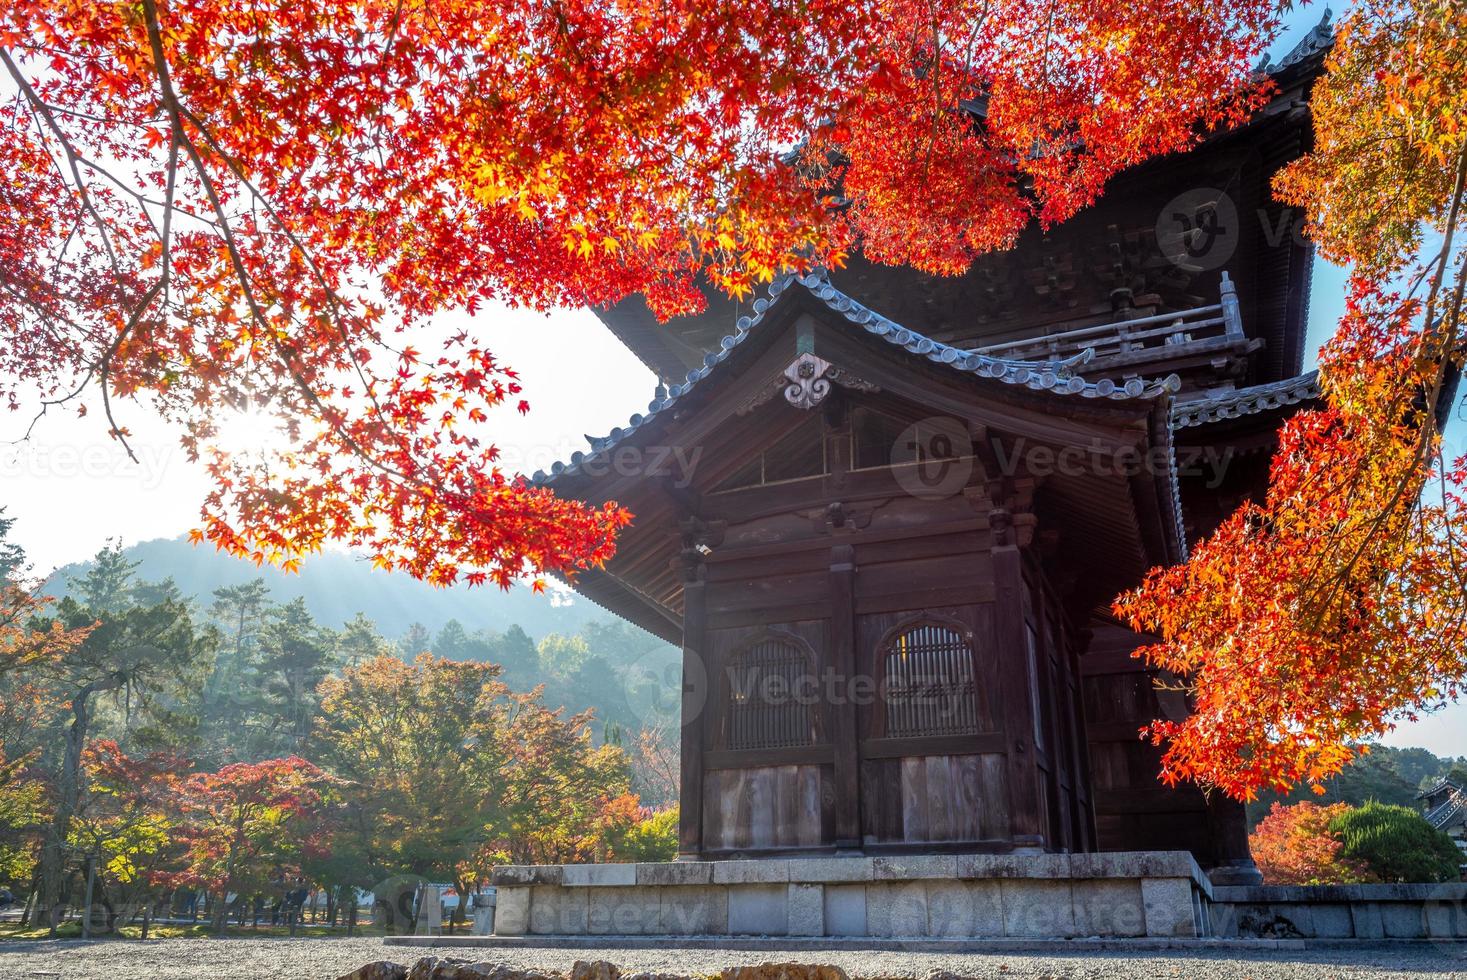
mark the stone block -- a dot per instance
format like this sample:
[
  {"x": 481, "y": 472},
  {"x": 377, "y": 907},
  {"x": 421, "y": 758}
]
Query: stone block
[
  {"x": 527, "y": 874},
  {"x": 987, "y": 908},
  {"x": 511, "y": 911},
  {"x": 1142, "y": 864},
  {"x": 1108, "y": 907},
  {"x": 782, "y": 971},
  {"x": 1223, "y": 920},
  {"x": 982, "y": 866},
  {"x": 1402, "y": 920},
  {"x": 1034, "y": 908},
  {"x": 696, "y": 910},
  {"x": 1331, "y": 921},
  {"x": 675, "y": 873},
  {"x": 758, "y": 910},
  {"x": 587, "y": 875},
  {"x": 896, "y": 908},
  {"x": 823, "y": 869},
  {"x": 751, "y": 872},
  {"x": 949, "y": 908},
  {"x": 1366, "y": 919},
  {"x": 557, "y": 911},
  {"x": 1169, "y": 907},
  {"x": 1445, "y": 918},
  {"x": 845, "y": 910},
  {"x": 907, "y": 867},
  {"x": 624, "y": 911},
  {"x": 806, "y": 910}
]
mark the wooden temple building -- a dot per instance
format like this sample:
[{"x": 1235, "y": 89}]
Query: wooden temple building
[{"x": 885, "y": 514}]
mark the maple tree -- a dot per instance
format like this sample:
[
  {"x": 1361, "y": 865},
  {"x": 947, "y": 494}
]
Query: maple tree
[
  {"x": 246, "y": 825},
  {"x": 447, "y": 772},
  {"x": 123, "y": 820},
  {"x": 1294, "y": 845},
  {"x": 121, "y": 649},
  {"x": 212, "y": 205},
  {"x": 22, "y": 818},
  {"x": 1312, "y": 621}
]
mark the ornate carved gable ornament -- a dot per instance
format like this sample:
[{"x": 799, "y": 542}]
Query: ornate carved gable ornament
[
  {"x": 810, "y": 377},
  {"x": 806, "y": 382}
]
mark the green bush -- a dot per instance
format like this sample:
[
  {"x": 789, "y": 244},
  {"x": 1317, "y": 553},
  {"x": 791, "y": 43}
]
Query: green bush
[
  {"x": 653, "y": 839},
  {"x": 1397, "y": 843}
]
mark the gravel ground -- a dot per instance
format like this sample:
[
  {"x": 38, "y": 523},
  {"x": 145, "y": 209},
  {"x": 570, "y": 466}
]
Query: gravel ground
[{"x": 326, "y": 959}]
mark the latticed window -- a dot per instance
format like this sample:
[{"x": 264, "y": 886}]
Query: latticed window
[
  {"x": 928, "y": 683},
  {"x": 770, "y": 696}
]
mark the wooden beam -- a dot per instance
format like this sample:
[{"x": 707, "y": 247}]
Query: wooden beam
[
  {"x": 842, "y": 660},
  {"x": 694, "y": 707}
]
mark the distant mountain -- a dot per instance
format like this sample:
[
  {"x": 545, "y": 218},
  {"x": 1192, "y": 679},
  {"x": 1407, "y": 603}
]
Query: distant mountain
[{"x": 337, "y": 586}]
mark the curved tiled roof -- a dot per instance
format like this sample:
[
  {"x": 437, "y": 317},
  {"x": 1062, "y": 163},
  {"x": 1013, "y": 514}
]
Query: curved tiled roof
[
  {"x": 1052, "y": 376},
  {"x": 1447, "y": 810},
  {"x": 1246, "y": 401},
  {"x": 1437, "y": 787},
  {"x": 1321, "y": 37}
]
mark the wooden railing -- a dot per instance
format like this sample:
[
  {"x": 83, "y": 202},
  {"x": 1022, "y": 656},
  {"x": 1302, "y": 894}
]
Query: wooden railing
[{"x": 1222, "y": 319}]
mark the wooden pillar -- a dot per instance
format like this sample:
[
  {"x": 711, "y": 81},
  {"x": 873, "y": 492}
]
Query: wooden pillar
[
  {"x": 842, "y": 706},
  {"x": 694, "y": 706},
  {"x": 1232, "y": 859},
  {"x": 1016, "y": 684}
]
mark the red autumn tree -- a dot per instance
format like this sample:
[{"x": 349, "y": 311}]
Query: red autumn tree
[
  {"x": 1293, "y": 845},
  {"x": 1311, "y": 622},
  {"x": 124, "y": 821},
  {"x": 215, "y": 204},
  {"x": 246, "y": 825}
]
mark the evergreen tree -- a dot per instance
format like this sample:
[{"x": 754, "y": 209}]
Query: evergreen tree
[
  {"x": 108, "y": 583},
  {"x": 296, "y": 655},
  {"x": 416, "y": 640},
  {"x": 12, "y": 557},
  {"x": 132, "y": 653},
  {"x": 1397, "y": 844},
  {"x": 359, "y": 641}
]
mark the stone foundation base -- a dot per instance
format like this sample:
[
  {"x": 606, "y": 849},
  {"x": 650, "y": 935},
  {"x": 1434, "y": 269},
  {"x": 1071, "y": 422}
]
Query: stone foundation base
[
  {"x": 1435, "y": 912},
  {"x": 1153, "y": 894}
]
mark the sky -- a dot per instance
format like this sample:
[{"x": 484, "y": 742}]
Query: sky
[{"x": 71, "y": 487}]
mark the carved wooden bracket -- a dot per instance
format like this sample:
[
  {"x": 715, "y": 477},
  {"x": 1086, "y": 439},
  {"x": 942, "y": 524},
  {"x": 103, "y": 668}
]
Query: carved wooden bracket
[{"x": 699, "y": 538}]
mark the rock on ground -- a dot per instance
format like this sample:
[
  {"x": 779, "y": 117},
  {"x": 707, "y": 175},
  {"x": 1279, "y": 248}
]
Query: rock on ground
[{"x": 327, "y": 959}]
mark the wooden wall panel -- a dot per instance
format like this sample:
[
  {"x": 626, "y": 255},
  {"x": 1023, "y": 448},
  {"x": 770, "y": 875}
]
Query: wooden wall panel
[
  {"x": 1133, "y": 809},
  {"x": 935, "y": 799},
  {"x": 766, "y": 807}
]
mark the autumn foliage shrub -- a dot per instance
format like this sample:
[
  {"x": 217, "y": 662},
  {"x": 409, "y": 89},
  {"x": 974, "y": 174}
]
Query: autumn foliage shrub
[
  {"x": 1294, "y": 845},
  {"x": 631, "y": 832},
  {"x": 1396, "y": 843},
  {"x": 1308, "y": 844}
]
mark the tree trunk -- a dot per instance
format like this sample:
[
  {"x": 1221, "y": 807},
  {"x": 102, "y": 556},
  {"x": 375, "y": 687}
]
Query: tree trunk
[
  {"x": 30, "y": 903},
  {"x": 53, "y": 863},
  {"x": 457, "y": 918}
]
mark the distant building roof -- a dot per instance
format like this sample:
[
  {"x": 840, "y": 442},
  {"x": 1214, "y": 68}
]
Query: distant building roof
[
  {"x": 1441, "y": 784},
  {"x": 1451, "y": 810}
]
